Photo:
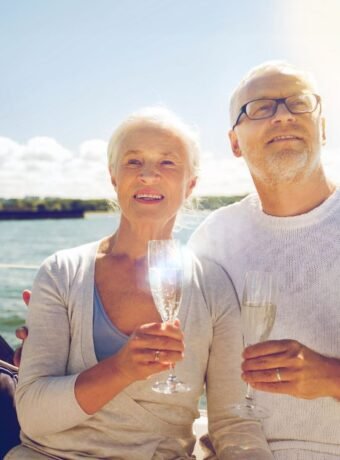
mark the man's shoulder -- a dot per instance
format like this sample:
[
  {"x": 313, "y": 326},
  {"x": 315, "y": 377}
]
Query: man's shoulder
[
  {"x": 221, "y": 227},
  {"x": 226, "y": 215}
]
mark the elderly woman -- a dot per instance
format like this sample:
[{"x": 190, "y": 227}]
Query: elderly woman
[{"x": 96, "y": 341}]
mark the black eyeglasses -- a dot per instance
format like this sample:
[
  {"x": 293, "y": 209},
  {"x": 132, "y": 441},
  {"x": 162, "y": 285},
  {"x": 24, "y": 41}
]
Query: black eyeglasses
[{"x": 260, "y": 109}]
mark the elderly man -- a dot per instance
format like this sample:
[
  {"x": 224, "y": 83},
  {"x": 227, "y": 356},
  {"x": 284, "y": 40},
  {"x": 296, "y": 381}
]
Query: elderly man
[{"x": 291, "y": 227}]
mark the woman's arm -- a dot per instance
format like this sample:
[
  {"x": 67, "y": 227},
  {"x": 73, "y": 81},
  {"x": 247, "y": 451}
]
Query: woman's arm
[
  {"x": 135, "y": 361},
  {"x": 45, "y": 397},
  {"x": 231, "y": 436},
  {"x": 50, "y": 401}
]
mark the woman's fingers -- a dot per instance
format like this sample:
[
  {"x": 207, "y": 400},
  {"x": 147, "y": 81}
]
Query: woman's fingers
[
  {"x": 157, "y": 343},
  {"x": 152, "y": 348},
  {"x": 158, "y": 336},
  {"x": 159, "y": 356},
  {"x": 161, "y": 329},
  {"x": 21, "y": 333},
  {"x": 26, "y": 296}
]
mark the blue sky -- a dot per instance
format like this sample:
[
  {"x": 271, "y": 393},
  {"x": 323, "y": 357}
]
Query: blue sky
[{"x": 71, "y": 70}]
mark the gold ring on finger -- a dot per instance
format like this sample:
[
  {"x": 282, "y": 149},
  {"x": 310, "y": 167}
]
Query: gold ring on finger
[
  {"x": 156, "y": 356},
  {"x": 278, "y": 375}
]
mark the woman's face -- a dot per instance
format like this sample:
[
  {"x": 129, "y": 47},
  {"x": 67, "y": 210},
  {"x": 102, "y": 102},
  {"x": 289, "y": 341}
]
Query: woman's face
[{"x": 152, "y": 175}]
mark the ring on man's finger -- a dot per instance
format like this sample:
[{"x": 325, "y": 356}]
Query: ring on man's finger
[
  {"x": 278, "y": 375},
  {"x": 156, "y": 356}
]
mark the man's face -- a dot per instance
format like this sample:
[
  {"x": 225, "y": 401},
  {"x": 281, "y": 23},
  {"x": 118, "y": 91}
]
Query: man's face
[{"x": 286, "y": 146}]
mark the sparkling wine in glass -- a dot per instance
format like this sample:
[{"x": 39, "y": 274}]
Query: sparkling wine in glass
[
  {"x": 258, "y": 312},
  {"x": 165, "y": 265}
]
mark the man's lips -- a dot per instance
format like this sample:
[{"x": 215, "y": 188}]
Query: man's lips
[{"x": 284, "y": 138}]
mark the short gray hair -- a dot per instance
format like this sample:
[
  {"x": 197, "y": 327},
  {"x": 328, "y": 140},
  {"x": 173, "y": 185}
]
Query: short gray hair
[
  {"x": 157, "y": 117},
  {"x": 268, "y": 67}
]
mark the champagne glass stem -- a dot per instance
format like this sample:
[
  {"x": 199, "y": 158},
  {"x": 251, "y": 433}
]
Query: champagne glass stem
[
  {"x": 172, "y": 376},
  {"x": 172, "y": 372},
  {"x": 249, "y": 394}
]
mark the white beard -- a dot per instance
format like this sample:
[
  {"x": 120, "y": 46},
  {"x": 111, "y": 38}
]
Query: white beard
[{"x": 285, "y": 167}]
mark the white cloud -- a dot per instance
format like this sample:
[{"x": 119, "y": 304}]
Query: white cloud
[
  {"x": 94, "y": 150},
  {"x": 42, "y": 167},
  {"x": 8, "y": 149},
  {"x": 45, "y": 149},
  {"x": 331, "y": 162},
  {"x": 223, "y": 176}
]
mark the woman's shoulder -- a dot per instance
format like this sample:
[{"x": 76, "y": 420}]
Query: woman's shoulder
[
  {"x": 209, "y": 271},
  {"x": 212, "y": 283},
  {"x": 64, "y": 265},
  {"x": 74, "y": 254}
]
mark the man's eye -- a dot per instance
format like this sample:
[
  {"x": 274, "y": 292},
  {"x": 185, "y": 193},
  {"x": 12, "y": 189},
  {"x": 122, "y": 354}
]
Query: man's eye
[
  {"x": 299, "y": 105},
  {"x": 264, "y": 108}
]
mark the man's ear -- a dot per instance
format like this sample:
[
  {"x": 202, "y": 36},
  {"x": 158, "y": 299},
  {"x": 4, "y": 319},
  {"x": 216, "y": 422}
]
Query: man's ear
[
  {"x": 234, "y": 143},
  {"x": 323, "y": 130}
]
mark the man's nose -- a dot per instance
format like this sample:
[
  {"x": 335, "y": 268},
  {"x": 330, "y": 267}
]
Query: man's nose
[{"x": 282, "y": 114}]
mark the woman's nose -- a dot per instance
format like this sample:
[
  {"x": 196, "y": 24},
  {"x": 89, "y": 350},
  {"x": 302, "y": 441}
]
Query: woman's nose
[{"x": 149, "y": 172}]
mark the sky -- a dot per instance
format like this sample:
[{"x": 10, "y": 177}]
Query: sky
[{"x": 71, "y": 70}]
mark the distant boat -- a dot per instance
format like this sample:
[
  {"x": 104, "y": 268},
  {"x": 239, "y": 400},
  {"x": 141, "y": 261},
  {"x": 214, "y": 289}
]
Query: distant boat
[{"x": 42, "y": 214}]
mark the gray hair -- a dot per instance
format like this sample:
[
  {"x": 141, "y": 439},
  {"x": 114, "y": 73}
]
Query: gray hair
[
  {"x": 157, "y": 117},
  {"x": 275, "y": 66}
]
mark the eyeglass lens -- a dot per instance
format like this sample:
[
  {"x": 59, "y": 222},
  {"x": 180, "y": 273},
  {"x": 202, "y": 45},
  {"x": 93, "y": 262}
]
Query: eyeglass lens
[{"x": 265, "y": 108}]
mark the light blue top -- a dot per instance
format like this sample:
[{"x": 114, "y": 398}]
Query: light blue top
[{"x": 108, "y": 340}]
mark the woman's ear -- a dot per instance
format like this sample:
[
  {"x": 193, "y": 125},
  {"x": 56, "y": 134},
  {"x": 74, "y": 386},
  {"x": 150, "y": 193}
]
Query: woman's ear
[
  {"x": 113, "y": 178},
  {"x": 234, "y": 143},
  {"x": 323, "y": 130},
  {"x": 191, "y": 186}
]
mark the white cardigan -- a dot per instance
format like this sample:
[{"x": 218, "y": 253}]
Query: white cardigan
[{"x": 137, "y": 424}]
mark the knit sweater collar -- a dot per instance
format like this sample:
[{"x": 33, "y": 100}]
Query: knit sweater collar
[{"x": 315, "y": 216}]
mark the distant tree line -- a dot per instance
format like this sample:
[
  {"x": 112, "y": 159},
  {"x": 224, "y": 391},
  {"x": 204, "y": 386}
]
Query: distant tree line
[
  {"x": 37, "y": 204},
  {"x": 215, "y": 202}
]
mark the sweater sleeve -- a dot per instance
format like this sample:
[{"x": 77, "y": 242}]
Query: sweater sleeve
[
  {"x": 232, "y": 437},
  {"x": 200, "y": 240},
  {"x": 45, "y": 397}
]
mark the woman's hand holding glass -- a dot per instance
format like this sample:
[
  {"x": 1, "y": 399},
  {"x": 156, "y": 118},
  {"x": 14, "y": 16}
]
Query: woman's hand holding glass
[{"x": 152, "y": 348}]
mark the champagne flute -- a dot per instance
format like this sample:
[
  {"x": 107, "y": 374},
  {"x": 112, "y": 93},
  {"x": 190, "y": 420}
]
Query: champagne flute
[
  {"x": 258, "y": 312},
  {"x": 166, "y": 283}
]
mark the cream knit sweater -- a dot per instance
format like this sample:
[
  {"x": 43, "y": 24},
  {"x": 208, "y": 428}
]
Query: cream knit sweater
[{"x": 305, "y": 252}]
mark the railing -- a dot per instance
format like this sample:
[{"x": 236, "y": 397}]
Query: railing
[{"x": 19, "y": 266}]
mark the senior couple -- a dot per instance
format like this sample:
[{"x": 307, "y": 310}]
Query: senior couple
[{"x": 96, "y": 342}]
